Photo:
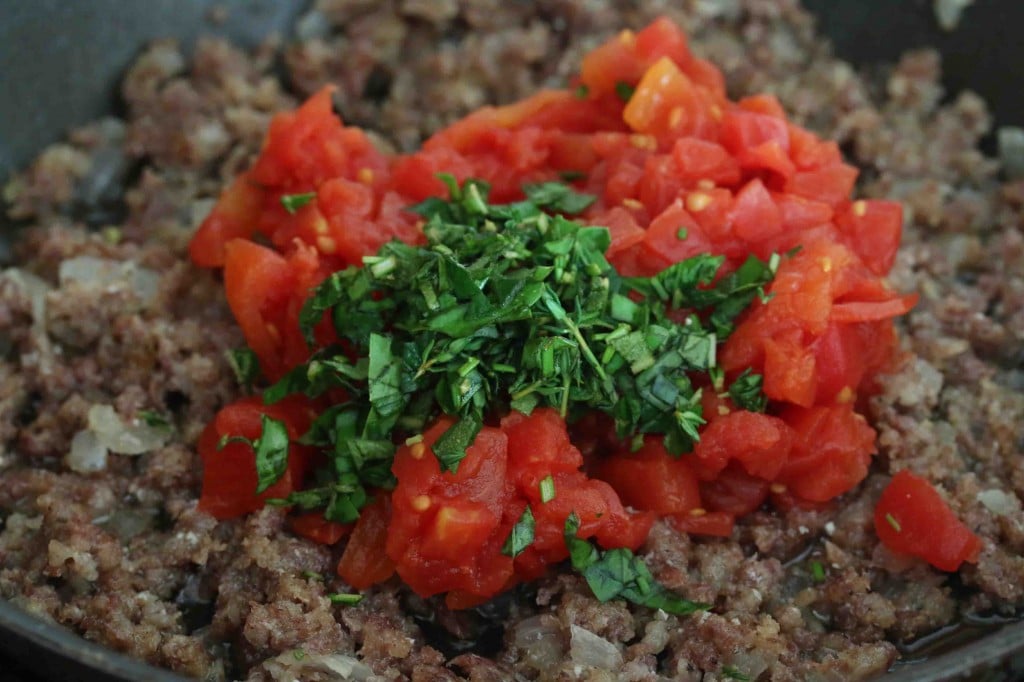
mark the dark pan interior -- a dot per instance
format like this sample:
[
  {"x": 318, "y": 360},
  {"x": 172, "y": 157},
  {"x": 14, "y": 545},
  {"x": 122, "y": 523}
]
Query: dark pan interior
[{"x": 60, "y": 62}]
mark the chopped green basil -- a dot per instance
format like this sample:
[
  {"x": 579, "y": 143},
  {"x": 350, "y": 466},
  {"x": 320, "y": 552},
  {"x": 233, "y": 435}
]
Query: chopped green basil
[
  {"x": 547, "y": 489},
  {"x": 293, "y": 202},
  {"x": 245, "y": 365},
  {"x": 891, "y": 520},
  {"x": 346, "y": 599},
  {"x": 154, "y": 419},
  {"x": 619, "y": 574},
  {"x": 624, "y": 90},
  {"x": 521, "y": 535},
  {"x": 271, "y": 450},
  {"x": 732, "y": 673},
  {"x": 746, "y": 392}
]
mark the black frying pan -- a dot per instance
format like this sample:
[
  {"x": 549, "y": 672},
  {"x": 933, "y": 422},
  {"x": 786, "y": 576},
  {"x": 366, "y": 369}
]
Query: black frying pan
[{"x": 60, "y": 62}]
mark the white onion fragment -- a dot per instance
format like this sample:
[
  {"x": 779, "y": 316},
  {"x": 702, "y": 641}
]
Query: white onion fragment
[
  {"x": 539, "y": 639},
  {"x": 87, "y": 454},
  {"x": 300, "y": 666},
  {"x": 121, "y": 438},
  {"x": 588, "y": 649},
  {"x": 103, "y": 272},
  {"x": 1010, "y": 140},
  {"x": 949, "y": 12},
  {"x": 998, "y": 502}
]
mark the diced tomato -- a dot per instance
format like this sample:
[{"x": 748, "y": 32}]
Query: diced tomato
[
  {"x": 236, "y": 215},
  {"x": 809, "y": 152},
  {"x": 839, "y": 362},
  {"x": 306, "y": 147},
  {"x": 755, "y": 217},
  {"x": 745, "y": 130},
  {"x": 673, "y": 236},
  {"x": 912, "y": 518},
  {"x": 539, "y": 442},
  {"x": 830, "y": 184},
  {"x": 714, "y": 524},
  {"x": 660, "y": 186},
  {"x": 759, "y": 442},
  {"x": 365, "y": 562},
  {"x": 229, "y": 472},
  {"x": 734, "y": 491},
  {"x": 873, "y": 228},
  {"x": 790, "y": 370},
  {"x": 668, "y": 104},
  {"x": 651, "y": 479},
  {"x": 431, "y": 508},
  {"x": 698, "y": 159},
  {"x": 799, "y": 213},
  {"x": 831, "y": 451},
  {"x": 315, "y": 527},
  {"x": 265, "y": 292},
  {"x": 447, "y": 529},
  {"x": 763, "y": 104},
  {"x": 610, "y": 64},
  {"x": 662, "y": 38},
  {"x": 625, "y": 231}
]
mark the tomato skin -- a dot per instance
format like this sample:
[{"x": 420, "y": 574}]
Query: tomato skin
[
  {"x": 912, "y": 518},
  {"x": 235, "y": 215},
  {"x": 229, "y": 473},
  {"x": 364, "y": 562},
  {"x": 651, "y": 479},
  {"x": 265, "y": 291}
]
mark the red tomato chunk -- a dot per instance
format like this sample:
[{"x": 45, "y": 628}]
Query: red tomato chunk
[{"x": 912, "y": 518}]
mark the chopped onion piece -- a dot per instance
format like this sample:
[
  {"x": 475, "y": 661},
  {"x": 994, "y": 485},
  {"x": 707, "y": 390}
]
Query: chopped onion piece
[
  {"x": 586, "y": 648},
  {"x": 35, "y": 288},
  {"x": 300, "y": 665},
  {"x": 122, "y": 438},
  {"x": 948, "y": 12},
  {"x": 539, "y": 638},
  {"x": 104, "y": 272},
  {"x": 87, "y": 454},
  {"x": 998, "y": 502},
  {"x": 1011, "y": 151}
]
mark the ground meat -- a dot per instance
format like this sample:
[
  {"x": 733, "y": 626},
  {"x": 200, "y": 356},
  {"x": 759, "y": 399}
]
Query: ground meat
[{"x": 123, "y": 556}]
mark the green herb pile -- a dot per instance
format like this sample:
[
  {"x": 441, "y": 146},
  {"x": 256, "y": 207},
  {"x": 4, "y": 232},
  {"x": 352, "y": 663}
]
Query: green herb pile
[{"x": 506, "y": 307}]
